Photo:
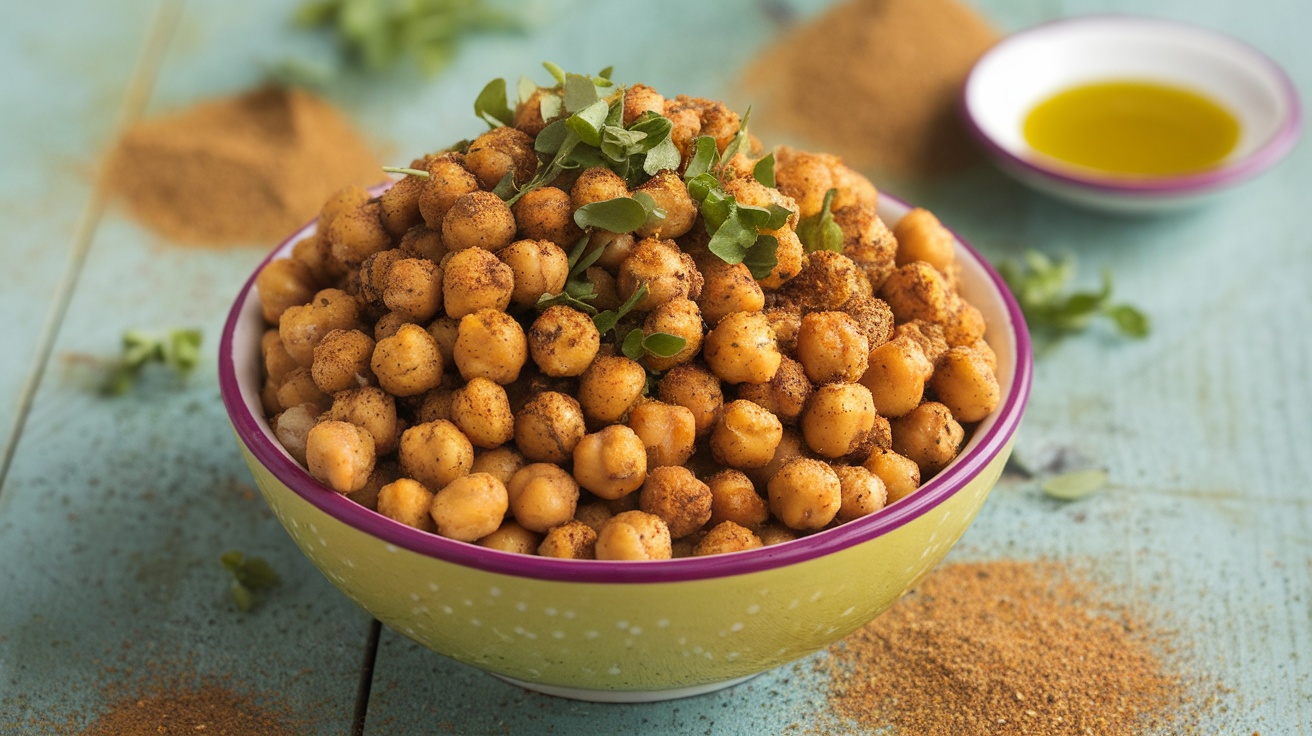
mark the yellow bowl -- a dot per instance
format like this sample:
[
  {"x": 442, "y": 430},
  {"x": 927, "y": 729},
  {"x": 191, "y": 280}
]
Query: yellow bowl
[{"x": 631, "y": 631}]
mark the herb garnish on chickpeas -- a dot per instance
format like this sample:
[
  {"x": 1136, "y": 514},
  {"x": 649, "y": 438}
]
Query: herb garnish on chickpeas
[{"x": 614, "y": 327}]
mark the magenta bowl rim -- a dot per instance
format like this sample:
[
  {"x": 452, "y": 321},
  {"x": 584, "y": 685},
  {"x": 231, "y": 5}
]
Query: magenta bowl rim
[
  {"x": 934, "y": 492},
  {"x": 1247, "y": 167}
]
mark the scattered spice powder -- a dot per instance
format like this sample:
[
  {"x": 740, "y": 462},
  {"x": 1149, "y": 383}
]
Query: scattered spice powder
[
  {"x": 998, "y": 648},
  {"x": 208, "y": 710},
  {"x": 876, "y": 82},
  {"x": 247, "y": 169}
]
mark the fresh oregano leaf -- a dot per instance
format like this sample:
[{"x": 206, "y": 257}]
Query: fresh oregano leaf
[
  {"x": 1040, "y": 289},
  {"x": 1075, "y": 485},
  {"x": 525, "y": 88},
  {"x": 555, "y": 71},
  {"x": 618, "y": 215},
  {"x": 587, "y": 122},
  {"x": 491, "y": 105},
  {"x": 762, "y": 258},
  {"x": 580, "y": 92},
  {"x": 550, "y": 106},
  {"x": 606, "y": 321},
  {"x": 763, "y": 171},
  {"x": 663, "y": 344},
  {"x": 632, "y": 345},
  {"x": 703, "y": 159}
]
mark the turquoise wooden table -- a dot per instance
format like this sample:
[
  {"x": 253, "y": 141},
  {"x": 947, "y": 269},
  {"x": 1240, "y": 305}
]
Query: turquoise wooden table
[{"x": 113, "y": 513}]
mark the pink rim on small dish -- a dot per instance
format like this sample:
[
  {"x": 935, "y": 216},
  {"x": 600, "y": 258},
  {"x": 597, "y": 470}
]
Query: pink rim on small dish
[
  {"x": 253, "y": 432},
  {"x": 1254, "y": 163}
]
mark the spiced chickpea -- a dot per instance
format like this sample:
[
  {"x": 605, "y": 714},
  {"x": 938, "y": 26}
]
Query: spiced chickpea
[
  {"x": 929, "y": 436},
  {"x": 573, "y": 540},
  {"x": 609, "y": 387},
  {"x": 545, "y": 213},
  {"x": 478, "y": 220},
  {"x": 680, "y": 318},
  {"x": 827, "y": 281},
  {"x": 873, "y": 316},
  {"x": 964, "y": 382},
  {"x": 964, "y": 324},
  {"x": 388, "y": 324},
  {"x": 356, "y": 234},
  {"x": 608, "y": 293},
  {"x": 917, "y": 291},
  {"x": 302, "y": 327},
  {"x": 499, "y": 152},
  {"x": 542, "y": 496},
  {"x": 409, "y": 362},
  {"x": 597, "y": 184},
  {"x": 670, "y": 194},
  {"x": 346, "y": 199},
  {"x": 900, "y": 475},
  {"x": 806, "y": 494},
  {"x": 481, "y": 410},
  {"x": 786, "y": 322},
  {"x": 491, "y": 344},
  {"x": 862, "y": 491},
  {"x": 727, "y": 537},
  {"x": 372, "y": 409},
  {"x": 511, "y": 537},
  {"x": 435, "y": 453},
  {"x": 734, "y": 498},
  {"x": 615, "y": 247},
  {"x": 528, "y": 113},
  {"x": 292, "y": 426},
  {"x": 434, "y": 405},
  {"x": 447, "y": 181},
  {"x": 298, "y": 387},
  {"x": 422, "y": 241},
  {"x": 341, "y": 361},
  {"x": 791, "y": 257},
  {"x": 896, "y": 377},
  {"x": 668, "y": 431},
  {"x": 640, "y": 99},
  {"x": 784, "y": 395},
  {"x": 868, "y": 242},
  {"x": 384, "y": 472},
  {"x": 667, "y": 272},
  {"x": 372, "y": 275},
  {"x": 399, "y": 205},
  {"x": 445, "y": 330},
  {"x": 611, "y": 463},
  {"x": 772, "y": 534},
  {"x": 549, "y": 427},
  {"x": 594, "y": 514},
  {"x": 696, "y": 389},
  {"x": 832, "y": 347},
  {"x": 929, "y": 336},
  {"x": 281, "y": 284},
  {"x": 634, "y": 535},
  {"x": 414, "y": 288},
  {"x": 407, "y": 501},
  {"x": 499, "y": 462},
  {"x": 741, "y": 349},
  {"x": 838, "y": 419},
  {"x": 469, "y": 507},
  {"x": 339, "y": 455},
  {"x": 277, "y": 361},
  {"x": 728, "y": 287},
  {"x": 475, "y": 279},
  {"x": 316, "y": 254},
  {"x": 538, "y": 267},
  {"x": 746, "y": 435},
  {"x": 674, "y": 494},
  {"x": 921, "y": 237},
  {"x": 563, "y": 341}
]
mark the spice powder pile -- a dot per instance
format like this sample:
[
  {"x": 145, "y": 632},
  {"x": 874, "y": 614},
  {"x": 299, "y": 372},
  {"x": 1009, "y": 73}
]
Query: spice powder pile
[
  {"x": 876, "y": 82},
  {"x": 247, "y": 169},
  {"x": 208, "y": 710},
  {"x": 999, "y": 648}
]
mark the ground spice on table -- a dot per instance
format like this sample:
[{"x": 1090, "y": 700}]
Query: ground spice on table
[
  {"x": 246, "y": 169},
  {"x": 1000, "y": 648},
  {"x": 208, "y": 710},
  {"x": 876, "y": 82}
]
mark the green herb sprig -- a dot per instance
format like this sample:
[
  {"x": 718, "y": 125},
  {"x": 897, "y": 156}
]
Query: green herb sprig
[
  {"x": 820, "y": 231},
  {"x": 1040, "y": 286},
  {"x": 177, "y": 349},
  {"x": 251, "y": 577}
]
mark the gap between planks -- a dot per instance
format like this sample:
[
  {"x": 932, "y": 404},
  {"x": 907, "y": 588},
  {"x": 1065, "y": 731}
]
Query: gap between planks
[{"x": 162, "y": 28}]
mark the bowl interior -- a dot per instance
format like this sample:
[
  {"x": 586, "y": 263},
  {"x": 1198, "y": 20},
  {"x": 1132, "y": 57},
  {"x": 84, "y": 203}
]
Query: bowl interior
[
  {"x": 240, "y": 378},
  {"x": 1032, "y": 65}
]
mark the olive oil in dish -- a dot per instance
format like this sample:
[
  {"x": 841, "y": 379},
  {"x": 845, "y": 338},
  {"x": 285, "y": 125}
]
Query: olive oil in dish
[{"x": 1133, "y": 128}]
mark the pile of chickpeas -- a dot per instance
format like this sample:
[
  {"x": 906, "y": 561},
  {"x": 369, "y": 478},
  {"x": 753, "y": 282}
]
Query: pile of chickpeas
[{"x": 408, "y": 366}]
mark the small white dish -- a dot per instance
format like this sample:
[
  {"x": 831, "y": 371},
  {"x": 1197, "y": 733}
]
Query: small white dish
[{"x": 1030, "y": 66}]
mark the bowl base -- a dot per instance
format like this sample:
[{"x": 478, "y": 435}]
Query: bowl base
[{"x": 624, "y": 696}]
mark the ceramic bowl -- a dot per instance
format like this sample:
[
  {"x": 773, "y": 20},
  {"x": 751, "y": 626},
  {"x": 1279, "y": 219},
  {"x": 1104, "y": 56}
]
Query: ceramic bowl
[
  {"x": 630, "y": 631},
  {"x": 1031, "y": 65}
]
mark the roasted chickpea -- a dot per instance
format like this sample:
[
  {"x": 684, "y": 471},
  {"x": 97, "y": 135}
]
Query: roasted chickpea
[
  {"x": 475, "y": 279},
  {"x": 542, "y": 496},
  {"x": 538, "y": 267},
  {"x": 680, "y": 318},
  {"x": 674, "y": 494},
  {"x": 384, "y": 473},
  {"x": 611, "y": 463},
  {"x": 511, "y": 537},
  {"x": 838, "y": 419},
  {"x": 399, "y": 205},
  {"x": 499, "y": 462},
  {"x": 316, "y": 254},
  {"x": 728, "y": 288},
  {"x": 772, "y": 534},
  {"x": 964, "y": 382},
  {"x": 746, "y": 435},
  {"x": 917, "y": 291},
  {"x": 791, "y": 257},
  {"x": 414, "y": 288},
  {"x": 298, "y": 387},
  {"x": 478, "y": 220},
  {"x": 668, "y": 431},
  {"x": 896, "y": 377},
  {"x": 292, "y": 426},
  {"x": 388, "y": 324},
  {"x": 435, "y": 453},
  {"x": 826, "y": 283},
  {"x": 686, "y": 124},
  {"x": 595, "y": 514},
  {"x": 965, "y": 323},
  {"x": 615, "y": 247},
  {"x": 873, "y": 316},
  {"x": 339, "y": 455},
  {"x": 409, "y": 362},
  {"x": 563, "y": 341},
  {"x": 640, "y": 99},
  {"x": 374, "y": 410},
  {"x": 609, "y": 387},
  {"x": 597, "y": 184},
  {"x": 302, "y": 327},
  {"x": 422, "y": 241},
  {"x": 667, "y": 272},
  {"x": 447, "y": 181},
  {"x": 356, "y": 234},
  {"x": 470, "y": 507},
  {"x": 499, "y": 152},
  {"x": 900, "y": 475},
  {"x": 806, "y": 494},
  {"x": 634, "y": 535},
  {"x": 696, "y": 389},
  {"x": 528, "y": 113},
  {"x": 929, "y": 336},
  {"x": 549, "y": 427},
  {"x": 670, "y": 194},
  {"x": 341, "y": 361},
  {"x": 407, "y": 501},
  {"x": 741, "y": 349},
  {"x": 445, "y": 330},
  {"x": 573, "y": 540},
  {"x": 734, "y": 498},
  {"x": 481, "y": 410},
  {"x": 727, "y": 537},
  {"x": 373, "y": 272},
  {"x": 868, "y": 242},
  {"x": 346, "y": 199},
  {"x": 491, "y": 344},
  {"x": 929, "y": 436},
  {"x": 281, "y": 284},
  {"x": 832, "y": 347},
  {"x": 921, "y": 237},
  {"x": 277, "y": 361},
  {"x": 784, "y": 395},
  {"x": 863, "y": 492},
  {"x": 545, "y": 213},
  {"x": 785, "y": 322}
]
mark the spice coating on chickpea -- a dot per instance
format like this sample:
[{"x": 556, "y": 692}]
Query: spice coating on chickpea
[
  {"x": 281, "y": 284},
  {"x": 542, "y": 496},
  {"x": 475, "y": 279},
  {"x": 611, "y": 463},
  {"x": 674, "y": 494},
  {"x": 511, "y": 537},
  {"x": 805, "y": 494},
  {"x": 407, "y": 501},
  {"x": 447, "y": 181},
  {"x": 340, "y": 455},
  {"x": 609, "y": 387},
  {"x": 838, "y": 419},
  {"x": 667, "y": 272},
  {"x": 634, "y": 535},
  {"x": 680, "y": 318},
  {"x": 929, "y": 436},
  {"x": 734, "y": 498},
  {"x": 545, "y": 213},
  {"x": 573, "y": 540},
  {"x": 563, "y": 341},
  {"x": 727, "y": 537},
  {"x": 499, "y": 462},
  {"x": 785, "y": 395},
  {"x": 549, "y": 427},
  {"x": 490, "y": 344},
  {"x": 537, "y": 267},
  {"x": 341, "y": 361},
  {"x": 696, "y": 389},
  {"x": 831, "y": 347},
  {"x": 435, "y": 453},
  {"x": 668, "y": 431},
  {"x": 470, "y": 507},
  {"x": 409, "y": 362},
  {"x": 863, "y": 492},
  {"x": 478, "y": 220},
  {"x": 741, "y": 349},
  {"x": 481, "y": 410},
  {"x": 372, "y": 409},
  {"x": 414, "y": 288},
  {"x": 965, "y": 384},
  {"x": 302, "y": 327},
  {"x": 500, "y": 152},
  {"x": 746, "y": 435},
  {"x": 900, "y": 475}
]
